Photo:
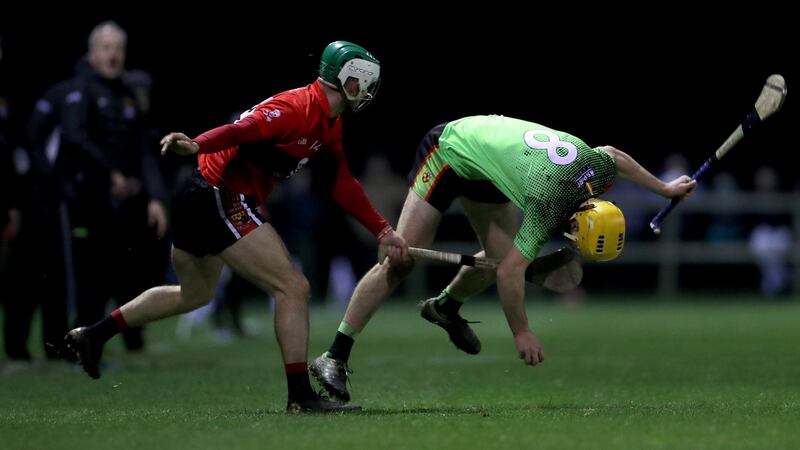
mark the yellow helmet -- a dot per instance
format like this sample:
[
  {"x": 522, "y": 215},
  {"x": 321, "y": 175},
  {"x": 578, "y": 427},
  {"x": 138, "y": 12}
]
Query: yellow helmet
[{"x": 601, "y": 230}]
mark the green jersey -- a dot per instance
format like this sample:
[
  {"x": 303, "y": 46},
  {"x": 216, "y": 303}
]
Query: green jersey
[{"x": 545, "y": 172}]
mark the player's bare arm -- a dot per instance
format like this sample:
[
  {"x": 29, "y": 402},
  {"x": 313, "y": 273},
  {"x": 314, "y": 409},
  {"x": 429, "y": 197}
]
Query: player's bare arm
[
  {"x": 511, "y": 287},
  {"x": 629, "y": 169},
  {"x": 179, "y": 143}
]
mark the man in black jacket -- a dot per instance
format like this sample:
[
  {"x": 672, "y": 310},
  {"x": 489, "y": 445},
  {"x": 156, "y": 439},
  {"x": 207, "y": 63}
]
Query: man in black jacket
[{"x": 115, "y": 190}]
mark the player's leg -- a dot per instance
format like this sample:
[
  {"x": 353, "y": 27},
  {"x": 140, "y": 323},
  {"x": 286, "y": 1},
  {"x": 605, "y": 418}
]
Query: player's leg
[
  {"x": 495, "y": 222},
  {"x": 203, "y": 227},
  {"x": 197, "y": 277},
  {"x": 261, "y": 258},
  {"x": 417, "y": 224}
]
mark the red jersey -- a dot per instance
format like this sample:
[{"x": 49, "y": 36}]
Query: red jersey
[{"x": 275, "y": 139}]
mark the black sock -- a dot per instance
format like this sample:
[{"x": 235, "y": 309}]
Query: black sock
[
  {"x": 449, "y": 306},
  {"x": 342, "y": 344},
  {"x": 104, "y": 329},
  {"x": 298, "y": 382}
]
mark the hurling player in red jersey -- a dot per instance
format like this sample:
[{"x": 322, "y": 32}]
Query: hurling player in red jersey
[{"x": 215, "y": 219}]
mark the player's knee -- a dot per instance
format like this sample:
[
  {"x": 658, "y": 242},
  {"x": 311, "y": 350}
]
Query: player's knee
[
  {"x": 301, "y": 288},
  {"x": 294, "y": 287},
  {"x": 400, "y": 269},
  {"x": 196, "y": 298}
]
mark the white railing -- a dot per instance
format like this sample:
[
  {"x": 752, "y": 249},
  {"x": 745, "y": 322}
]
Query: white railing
[{"x": 670, "y": 251}]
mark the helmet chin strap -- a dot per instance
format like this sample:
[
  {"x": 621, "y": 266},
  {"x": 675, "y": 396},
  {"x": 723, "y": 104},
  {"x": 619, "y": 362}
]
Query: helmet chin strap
[{"x": 329, "y": 84}]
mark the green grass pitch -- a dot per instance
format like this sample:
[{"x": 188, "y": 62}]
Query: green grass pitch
[{"x": 633, "y": 375}]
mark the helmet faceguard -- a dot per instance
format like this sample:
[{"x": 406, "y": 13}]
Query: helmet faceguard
[
  {"x": 600, "y": 233},
  {"x": 341, "y": 61}
]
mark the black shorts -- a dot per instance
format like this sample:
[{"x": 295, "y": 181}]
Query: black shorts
[
  {"x": 436, "y": 182},
  {"x": 206, "y": 220}
]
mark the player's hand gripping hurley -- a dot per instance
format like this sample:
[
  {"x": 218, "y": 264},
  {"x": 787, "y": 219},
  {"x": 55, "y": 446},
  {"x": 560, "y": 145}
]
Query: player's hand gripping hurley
[{"x": 769, "y": 102}]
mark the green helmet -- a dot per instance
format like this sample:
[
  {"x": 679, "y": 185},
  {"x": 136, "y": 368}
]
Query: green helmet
[{"x": 342, "y": 60}]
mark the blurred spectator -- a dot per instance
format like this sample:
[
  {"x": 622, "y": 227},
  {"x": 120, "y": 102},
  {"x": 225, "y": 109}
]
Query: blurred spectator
[
  {"x": 7, "y": 226},
  {"x": 37, "y": 281},
  {"x": 9, "y": 214},
  {"x": 296, "y": 212},
  {"x": 771, "y": 241},
  {"x": 326, "y": 220},
  {"x": 141, "y": 83},
  {"x": 341, "y": 251},
  {"x": 116, "y": 201},
  {"x": 725, "y": 227},
  {"x": 675, "y": 165},
  {"x": 31, "y": 225}
]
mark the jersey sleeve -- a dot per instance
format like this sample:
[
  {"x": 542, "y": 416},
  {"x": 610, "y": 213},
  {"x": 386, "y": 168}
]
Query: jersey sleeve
[
  {"x": 606, "y": 170},
  {"x": 267, "y": 122}
]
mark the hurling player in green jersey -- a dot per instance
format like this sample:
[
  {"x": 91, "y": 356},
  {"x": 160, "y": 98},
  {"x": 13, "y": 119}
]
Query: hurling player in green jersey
[{"x": 497, "y": 166}]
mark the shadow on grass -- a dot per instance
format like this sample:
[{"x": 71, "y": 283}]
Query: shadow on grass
[
  {"x": 438, "y": 411},
  {"x": 545, "y": 408}
]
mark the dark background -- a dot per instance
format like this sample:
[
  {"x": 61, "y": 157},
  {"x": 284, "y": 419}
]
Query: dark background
[{"x": 651, "y": 83}]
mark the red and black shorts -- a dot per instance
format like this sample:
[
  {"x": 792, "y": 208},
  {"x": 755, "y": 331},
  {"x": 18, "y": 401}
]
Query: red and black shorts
[
  {"x": 206, "y": 220},
  {"x": 436, "y": 182}
]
